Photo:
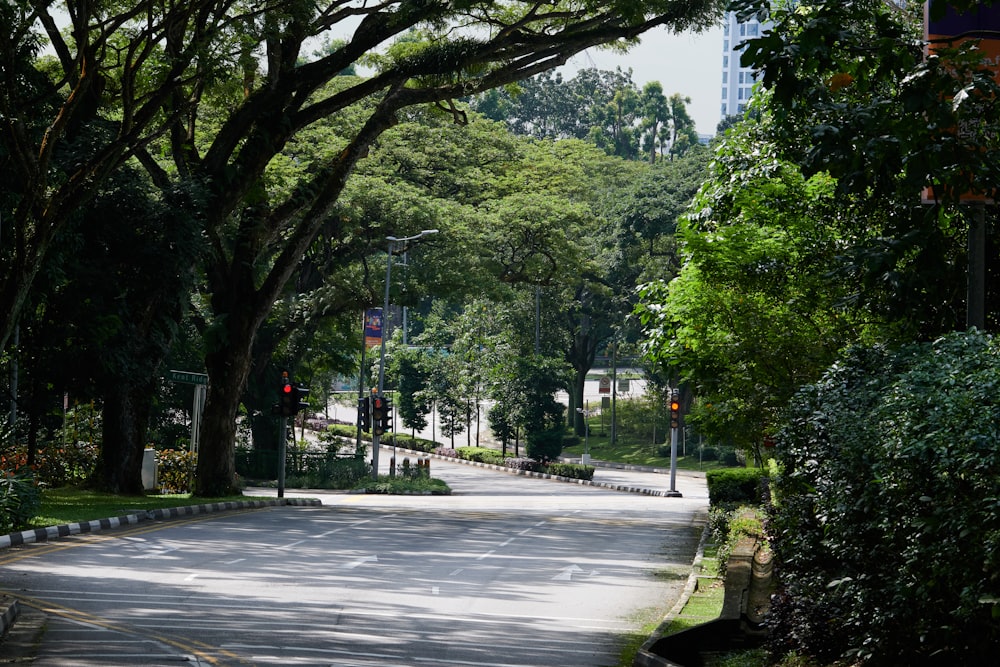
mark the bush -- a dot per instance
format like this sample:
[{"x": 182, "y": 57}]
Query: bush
[
  {"x": 330, "y": 472},
  {"x": 400, "y": 485},
  {"x": 19, "y": 500},
  {"x": 545, "y": 445},
  {"x": 735, "y": 485},
  {"x": 571, "y": 470},
  {"x": 175, "y": 470},
  {"x": 709, "y": 454},
  {"x": 481, "y": 455},
  {"x": 731, "y": 523},
  {"x": 886, "y": 526},
  {"x": 409, "y": 442},
  {"x": 529, "y": 465}
]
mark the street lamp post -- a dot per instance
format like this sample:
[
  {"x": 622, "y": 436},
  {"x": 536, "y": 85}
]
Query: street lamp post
[
  {"x": 586, "y": 433},
  {"x": 376, "y": 438}
]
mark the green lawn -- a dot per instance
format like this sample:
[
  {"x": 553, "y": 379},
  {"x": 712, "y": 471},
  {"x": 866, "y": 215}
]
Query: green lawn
[
  {"x": 71, "y": 505},
  {"x": 633, "y": 452}
]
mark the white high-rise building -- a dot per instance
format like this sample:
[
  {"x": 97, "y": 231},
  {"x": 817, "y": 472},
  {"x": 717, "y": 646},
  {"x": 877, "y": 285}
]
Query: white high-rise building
[{"x": 737, "y": 81}]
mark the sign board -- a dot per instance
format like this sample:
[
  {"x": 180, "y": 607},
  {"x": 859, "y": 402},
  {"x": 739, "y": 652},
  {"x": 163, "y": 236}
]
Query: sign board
[
  {"x": 604, "y": 385},
  {"x": 373, "y": 327},
  {"x": 605, "y": 402},
  {"x": 187, "y": 378},
  {"x": 953, "y": 28},
  {"x": 623, "y": 385}
]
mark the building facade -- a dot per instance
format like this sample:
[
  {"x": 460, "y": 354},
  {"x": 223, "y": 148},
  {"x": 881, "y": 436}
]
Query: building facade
[{"x": 737, "y": 81}]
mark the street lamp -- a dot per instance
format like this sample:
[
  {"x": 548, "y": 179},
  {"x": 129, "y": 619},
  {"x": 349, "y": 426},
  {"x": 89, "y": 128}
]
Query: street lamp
[
  {"x": 586, "y": 433},
  {"x": 376, "y": 439}
]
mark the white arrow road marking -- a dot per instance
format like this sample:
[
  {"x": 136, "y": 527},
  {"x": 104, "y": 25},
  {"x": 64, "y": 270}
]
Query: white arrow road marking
[
  {"x": 566, "y": 574},
  {"x": 361, "y": 561}
]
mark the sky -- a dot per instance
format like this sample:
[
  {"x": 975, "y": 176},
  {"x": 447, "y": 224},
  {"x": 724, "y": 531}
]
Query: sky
[{"x": 687, "y": 63}]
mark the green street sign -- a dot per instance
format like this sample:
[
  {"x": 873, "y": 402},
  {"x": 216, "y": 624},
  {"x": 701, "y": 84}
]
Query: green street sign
[{"x": 187, "y": 378}]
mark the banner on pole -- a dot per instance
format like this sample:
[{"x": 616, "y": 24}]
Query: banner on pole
[
  {"x": 950, "y": 30},
  {"x": 373, "y": 327}
]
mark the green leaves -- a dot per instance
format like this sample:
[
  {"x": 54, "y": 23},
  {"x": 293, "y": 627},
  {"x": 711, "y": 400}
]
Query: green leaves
[{"x": 894, "y": 453}]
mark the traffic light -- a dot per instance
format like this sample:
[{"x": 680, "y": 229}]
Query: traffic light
[
  {"x": 675, "y": 408},
  {"x": 386, "y": 413},
  {"x": 365, "y": 414},
  {"x": 301, "y": 394},
  {"x": 378, "y": 414},
  {"x": 287, "y": 399}
]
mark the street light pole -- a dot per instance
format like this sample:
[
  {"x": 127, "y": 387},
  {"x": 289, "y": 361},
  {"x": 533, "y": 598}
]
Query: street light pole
[
  {"x": 376, "y": 438},
  {"x": 586, "y": 433}
]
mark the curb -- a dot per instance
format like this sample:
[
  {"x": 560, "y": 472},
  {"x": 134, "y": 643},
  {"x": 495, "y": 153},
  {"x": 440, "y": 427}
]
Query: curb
[
  {"x": 537, "y": 475},
  {"x": 11, "y": 610},
  {"x": 645, "y": 657},
  {"x": 53, "y": 532}
]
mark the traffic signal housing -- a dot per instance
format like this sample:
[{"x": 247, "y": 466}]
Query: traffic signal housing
[
  {"x": 386, "y": 413},
  {"x": 301, "y": 394},
  {"x": 378, "y": 414},
  {"x": 287, "y": 398},
  {"x": 365, "y": 414},
  {"x": 675, "y": 409}
]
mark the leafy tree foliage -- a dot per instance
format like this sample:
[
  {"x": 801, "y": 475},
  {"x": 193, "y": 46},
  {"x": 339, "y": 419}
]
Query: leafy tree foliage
[
  {"x": 854, "y": 96},
  {"x": 155, "y": 84},
  {"x": 603, "y": 107},
  {"x": 887, "y": 527},
  {"x": 754, "y": 313}
]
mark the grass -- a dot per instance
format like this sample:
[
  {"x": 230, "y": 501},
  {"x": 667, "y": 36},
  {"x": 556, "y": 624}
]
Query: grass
[
  {"x": 72, "y": 505},
  {"x": 705, "y": 604},
  {"x": 633, "y": 451}
]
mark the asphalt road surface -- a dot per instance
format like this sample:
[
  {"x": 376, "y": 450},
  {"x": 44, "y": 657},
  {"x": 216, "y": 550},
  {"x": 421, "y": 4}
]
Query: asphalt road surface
[{"x": 508, "y": 571}]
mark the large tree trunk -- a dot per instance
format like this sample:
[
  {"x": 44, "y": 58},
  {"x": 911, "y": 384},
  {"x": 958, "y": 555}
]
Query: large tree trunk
[
  {"x": 126, "y": 413},
  {"x": 228, "y": 368}
]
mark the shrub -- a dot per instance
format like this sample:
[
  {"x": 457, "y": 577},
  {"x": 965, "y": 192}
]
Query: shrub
[
  {"x": 65, "y": 464},
  {"x": 409, "y": 442},
  {"x": 399, "y": 485},
  {"x": 175, "y": 470},
  {"x": 731, "y": 523},
  {"x": 545, "y": 445},
  {"x": 886, "y": 524},
  {"x": 571, "y": 470},
  {"x": 530, "y": 465},
  {"x": 481, "y": 455},
  {"x": 734, "y": 485},
  {"x": 330, "y": 472},
  {"x": 19, "y": 500}
]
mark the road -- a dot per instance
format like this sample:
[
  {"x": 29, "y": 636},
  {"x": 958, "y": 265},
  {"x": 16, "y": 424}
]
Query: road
[{"x": 507, "y": 571}]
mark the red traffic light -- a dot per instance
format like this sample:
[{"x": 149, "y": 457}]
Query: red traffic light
[{"x": 287, "y": 388}]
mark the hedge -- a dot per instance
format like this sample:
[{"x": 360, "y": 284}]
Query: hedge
[
  {"x": 735, "y": 485},
  {"x": 886, "y": 527}
]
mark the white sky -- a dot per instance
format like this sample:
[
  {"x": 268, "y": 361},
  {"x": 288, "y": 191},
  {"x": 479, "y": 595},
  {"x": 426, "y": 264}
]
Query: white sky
[{"x": 685, "y": 63}]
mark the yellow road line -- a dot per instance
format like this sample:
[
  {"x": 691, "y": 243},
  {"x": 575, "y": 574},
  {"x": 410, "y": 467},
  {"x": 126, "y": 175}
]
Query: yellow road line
[{"x": 196, "y": 648}]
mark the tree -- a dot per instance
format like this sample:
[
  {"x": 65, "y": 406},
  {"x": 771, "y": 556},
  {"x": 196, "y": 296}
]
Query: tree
[
  {"x": 160, "y": 80},
  {"x": 859, "y": 100},
  {"x": 754, "y": 313}
]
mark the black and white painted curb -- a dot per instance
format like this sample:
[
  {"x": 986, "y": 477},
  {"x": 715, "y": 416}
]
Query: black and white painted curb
[
  {"x": 53, "y": 532},
  {"x": 542, "y": 475}
]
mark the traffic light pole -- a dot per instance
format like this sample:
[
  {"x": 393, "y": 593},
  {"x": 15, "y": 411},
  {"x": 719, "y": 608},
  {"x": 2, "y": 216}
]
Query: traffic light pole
[
  {"x": 282, "y": 452},
  {"x": 675, "y": 427}
]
